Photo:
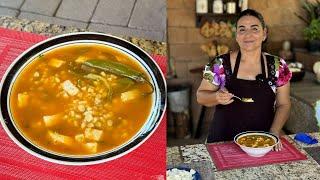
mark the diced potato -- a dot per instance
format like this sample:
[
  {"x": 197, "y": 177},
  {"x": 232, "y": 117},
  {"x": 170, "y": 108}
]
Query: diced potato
[
  {"x": 79, "y": 137},
  {"x": 90, "y": 125},
  {"x": 91, "y": 147},
  {"x": 88, "y": 116},
  {"x": 54, "y": 62},
  {"x": 93, "y": 134},
  {"x": 81, "y": 59},
  {"x": 60, "y": 139},
  {"x": 23, "y": 99},
  {"x": 52, "y": 120},
  {"x": 36, "y": 74},
  {"x": 70, "y": 88},
  {"x": 130, "y": 95},
  {"x": 81, "y": 108}
]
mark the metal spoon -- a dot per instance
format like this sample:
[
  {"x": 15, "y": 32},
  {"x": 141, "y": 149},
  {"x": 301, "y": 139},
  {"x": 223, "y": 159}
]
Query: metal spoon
[{"x": 244, "y": 99}]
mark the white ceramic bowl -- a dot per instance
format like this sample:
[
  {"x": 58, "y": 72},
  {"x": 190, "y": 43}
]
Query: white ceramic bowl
[
  {"x": 145, "y": 61},
  {"x": 255, "y": 151}
]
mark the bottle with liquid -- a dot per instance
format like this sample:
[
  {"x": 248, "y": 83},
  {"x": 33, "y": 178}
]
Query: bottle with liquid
[
  {"x": 217, "y": 7},
  {"x": 231, "y": 7},
  {"x": 201, "y": 6}
]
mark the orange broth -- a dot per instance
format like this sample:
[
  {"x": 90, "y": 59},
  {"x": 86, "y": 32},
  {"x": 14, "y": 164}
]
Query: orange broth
[
  {"x": 256, "y": 141},
  {"x": 64, "y": 111}
]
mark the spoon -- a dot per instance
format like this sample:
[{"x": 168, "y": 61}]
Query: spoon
[{"x": 244, "y": 99}]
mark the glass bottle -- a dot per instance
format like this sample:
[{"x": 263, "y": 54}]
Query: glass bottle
[{"x": 231, "y": 7}]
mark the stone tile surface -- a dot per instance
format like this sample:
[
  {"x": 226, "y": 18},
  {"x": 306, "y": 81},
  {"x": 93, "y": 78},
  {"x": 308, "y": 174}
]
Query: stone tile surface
[
  {"x": 149, "y": 15},
  {"x": 80, "y": 10},
  {"x": 11, "y": 3},
  {"x": 8, "y": 12},
  {"x": 125, "y": 31},
  {"x": 136, "y": 18},
  {"x": 113, "y": 12},
  {"x": 52, "y": 20},
  {"x": 45, "y": 7}
]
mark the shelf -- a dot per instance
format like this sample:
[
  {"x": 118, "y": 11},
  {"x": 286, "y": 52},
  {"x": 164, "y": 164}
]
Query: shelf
[{"x": 208, "y": 17}]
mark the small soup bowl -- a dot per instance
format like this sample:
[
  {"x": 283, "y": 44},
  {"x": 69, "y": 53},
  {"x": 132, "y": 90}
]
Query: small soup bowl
[
  {"x": 141, "y": 58},
  {"x": 256, "y": 151}
]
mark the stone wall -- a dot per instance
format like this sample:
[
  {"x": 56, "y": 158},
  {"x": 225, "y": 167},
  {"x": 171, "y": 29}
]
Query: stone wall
[
  {"x": 184, "y": 39},
  {"x": 282, "y": 22}
]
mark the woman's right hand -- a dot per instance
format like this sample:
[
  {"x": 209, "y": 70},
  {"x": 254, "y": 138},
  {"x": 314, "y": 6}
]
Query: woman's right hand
[
  {"x": 210, "y": 95},
  {"x": 224, "y": 97}
]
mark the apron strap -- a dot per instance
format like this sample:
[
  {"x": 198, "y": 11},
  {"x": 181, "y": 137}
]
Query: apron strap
[
  {"x": 263, "y": 66},
  {"x": 236, "y": 66}
]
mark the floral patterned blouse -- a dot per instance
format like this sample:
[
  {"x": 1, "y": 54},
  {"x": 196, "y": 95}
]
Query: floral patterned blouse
[{"x": 278, "y": 71}]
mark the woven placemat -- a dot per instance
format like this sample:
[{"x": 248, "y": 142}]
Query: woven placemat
[
  {"x": 146, "y": 162},
  {"x": 229, "y": 156}
]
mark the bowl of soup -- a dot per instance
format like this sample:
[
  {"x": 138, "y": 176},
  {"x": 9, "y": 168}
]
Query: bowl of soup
[
  {"x": 256, "y": 143},
  {"x": 82, "y": 98}
]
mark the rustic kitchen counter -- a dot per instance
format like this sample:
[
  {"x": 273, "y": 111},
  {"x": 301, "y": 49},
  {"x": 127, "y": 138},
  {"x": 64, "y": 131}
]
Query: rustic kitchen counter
[{"x": 197, "y": 157}]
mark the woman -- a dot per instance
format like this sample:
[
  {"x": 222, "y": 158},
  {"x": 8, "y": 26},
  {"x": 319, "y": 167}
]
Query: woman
[{"x": 246, "y": 73}]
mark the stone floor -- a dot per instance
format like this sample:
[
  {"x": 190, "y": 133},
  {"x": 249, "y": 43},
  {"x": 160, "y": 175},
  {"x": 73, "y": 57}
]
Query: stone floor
[{"x": 139, "y": 18}]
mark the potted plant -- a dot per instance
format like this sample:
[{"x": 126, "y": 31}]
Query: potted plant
[
  {"x": 312, "y": 19},
  {"x": 312, "y": 34}
]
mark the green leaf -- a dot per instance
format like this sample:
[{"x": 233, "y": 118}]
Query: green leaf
[{"x": 312, "y": 32}]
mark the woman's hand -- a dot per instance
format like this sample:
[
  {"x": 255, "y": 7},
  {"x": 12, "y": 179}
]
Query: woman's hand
[
  {"x": 210, "y": 95},
  {"x": 279, "y": 146},
  {"x": 283, "y": 105},
  {"x": 224, "y": 97}
]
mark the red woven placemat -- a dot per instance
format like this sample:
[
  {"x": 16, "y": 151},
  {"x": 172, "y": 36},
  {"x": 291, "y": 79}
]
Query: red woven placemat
[
  {"x": 146, "y": 162},
  {"x": 229, "y": 156}
]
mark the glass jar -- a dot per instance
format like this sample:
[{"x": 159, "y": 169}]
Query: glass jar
[
  {"x": 244, "y": 5},
  {"x": 231, "y": 7},
  {"x": 217, "y": 7},
  {"x": 202, "y": 6}
]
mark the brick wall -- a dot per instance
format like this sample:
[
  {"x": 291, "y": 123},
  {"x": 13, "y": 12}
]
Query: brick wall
[{"x": 184, "y": 39}]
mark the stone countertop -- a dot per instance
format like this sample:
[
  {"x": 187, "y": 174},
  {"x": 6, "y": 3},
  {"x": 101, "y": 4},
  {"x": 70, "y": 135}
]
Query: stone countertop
[
  {"x": 38, "y": 27},
  {"x": 198, "y": 158}
]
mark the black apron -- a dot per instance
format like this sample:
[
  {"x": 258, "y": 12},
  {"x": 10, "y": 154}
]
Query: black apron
[{"x": 238, "y": 116}]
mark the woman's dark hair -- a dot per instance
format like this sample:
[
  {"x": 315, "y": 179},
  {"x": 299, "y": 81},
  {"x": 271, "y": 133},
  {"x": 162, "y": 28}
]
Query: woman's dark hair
[{"x": 251, "y": 12}]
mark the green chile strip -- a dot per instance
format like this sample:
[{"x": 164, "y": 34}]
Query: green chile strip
[{"x": 117, "y": 69}]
